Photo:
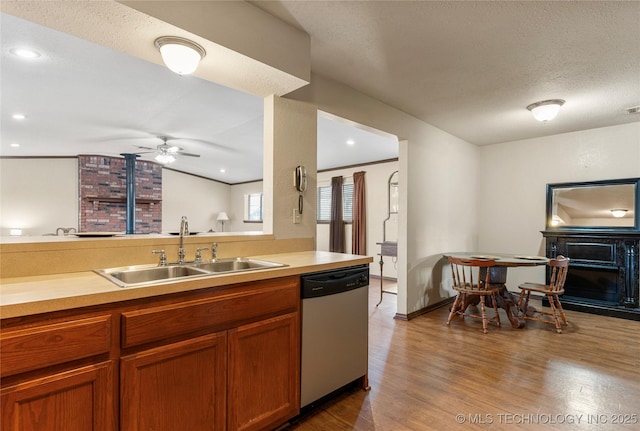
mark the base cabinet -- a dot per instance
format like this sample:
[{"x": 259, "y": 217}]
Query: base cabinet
[
  {"x": 263, "y": 392},
  {"x": 220, "y": 359},
  {"x": 75, "y": 400},
  {"x": 173, "y": 387}
]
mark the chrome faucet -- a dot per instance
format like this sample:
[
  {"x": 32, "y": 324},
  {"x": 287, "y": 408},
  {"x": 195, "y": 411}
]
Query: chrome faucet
[
  {"x": 163, "y": 257},
  {"x": 214, "y": 251},
  {"x": 184, "y": 230},
  {"x": 199, "y": 251}
]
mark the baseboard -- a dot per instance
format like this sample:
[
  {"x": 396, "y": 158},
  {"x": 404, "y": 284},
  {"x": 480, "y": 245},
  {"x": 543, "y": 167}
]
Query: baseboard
[{"x": 424, "y": 310}]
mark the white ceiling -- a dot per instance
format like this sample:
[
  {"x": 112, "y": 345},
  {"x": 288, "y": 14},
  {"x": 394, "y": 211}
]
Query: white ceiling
[
  {"x": 471, "y": 67},
  {"x": 467, "y": 67},
  {"x": 83, "y": 98}
]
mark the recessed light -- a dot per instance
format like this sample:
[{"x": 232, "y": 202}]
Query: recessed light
[
  {"x": 24, "y": 52},
  {"x": 15, "y": 145},
  {"x": 222, "y": 171},
  {"x": 351, "y": 142},
  {"x": 18, "y": 116}
]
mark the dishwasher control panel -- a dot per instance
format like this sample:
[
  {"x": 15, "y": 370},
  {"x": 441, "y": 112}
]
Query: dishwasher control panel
[{"x": 334, "y": 281}]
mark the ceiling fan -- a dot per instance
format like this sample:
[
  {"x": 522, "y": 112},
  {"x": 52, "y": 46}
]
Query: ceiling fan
[{"x": 166, "y": 153}]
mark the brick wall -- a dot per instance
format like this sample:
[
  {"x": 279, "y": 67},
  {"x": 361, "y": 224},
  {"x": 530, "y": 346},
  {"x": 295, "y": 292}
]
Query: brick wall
[{"x": 103, "y": 195}]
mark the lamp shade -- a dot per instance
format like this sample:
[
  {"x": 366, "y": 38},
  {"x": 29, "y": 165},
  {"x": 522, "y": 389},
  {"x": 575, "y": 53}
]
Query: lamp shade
[
  {"x": 180, "y": 55},
  {"x": 546, "y": 110},
  {"x": 223, "y": 216}
]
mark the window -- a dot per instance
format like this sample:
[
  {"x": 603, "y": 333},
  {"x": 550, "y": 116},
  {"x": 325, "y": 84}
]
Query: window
[
  {"x": 324, "y": 203},
  {"x": 253, "y": 207}
]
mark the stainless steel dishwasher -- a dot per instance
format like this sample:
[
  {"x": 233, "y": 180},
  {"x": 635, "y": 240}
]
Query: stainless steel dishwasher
[{"x": 335, "y": 324}]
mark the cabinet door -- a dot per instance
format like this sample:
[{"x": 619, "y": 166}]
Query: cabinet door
[
  {"x": 264, "y": 373},
  {"x": 181, "y": 386},
  {"x": 75, "y": 400}
]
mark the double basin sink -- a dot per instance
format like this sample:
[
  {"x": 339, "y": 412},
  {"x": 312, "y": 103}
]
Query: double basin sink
[{"x": 143, "y": 275}]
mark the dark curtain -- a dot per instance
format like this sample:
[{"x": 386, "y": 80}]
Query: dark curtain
[
  {"x": 359, "y": 226},
  {"x": 336, "y": 225}
]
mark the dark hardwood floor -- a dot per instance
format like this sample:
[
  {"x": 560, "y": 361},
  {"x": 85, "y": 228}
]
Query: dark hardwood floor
[{"x": 425, "y": 375}]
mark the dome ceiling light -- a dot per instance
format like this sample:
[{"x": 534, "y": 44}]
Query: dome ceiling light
[
  {"x": 546, "y": 110},
  {"x": 179, "y": 54},
  {"x": 618, "y": 212}
]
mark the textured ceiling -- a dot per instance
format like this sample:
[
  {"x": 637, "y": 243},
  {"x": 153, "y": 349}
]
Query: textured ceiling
[
  {"x": 471, "y": 67},
  {"x": 467, "y": 67}
]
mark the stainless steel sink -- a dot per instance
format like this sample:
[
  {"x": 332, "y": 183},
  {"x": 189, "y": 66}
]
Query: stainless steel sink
[
  {"x": 146, "y": 275},
  {"x": 237, "y": 264}
]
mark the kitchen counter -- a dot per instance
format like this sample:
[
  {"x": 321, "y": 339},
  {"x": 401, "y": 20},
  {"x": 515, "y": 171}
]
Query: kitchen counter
[{"x": 23, "y": 296}]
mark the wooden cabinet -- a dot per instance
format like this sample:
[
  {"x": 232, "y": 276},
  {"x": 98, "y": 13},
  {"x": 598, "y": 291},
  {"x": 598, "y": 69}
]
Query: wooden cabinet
[
  {"x": 79, "y": 399},
  {"x": 67, "y": 379},
  {"x": 263, "y": 391},
  {"x": 178, "y": 386},
  {"x": 225, "y": 358}
]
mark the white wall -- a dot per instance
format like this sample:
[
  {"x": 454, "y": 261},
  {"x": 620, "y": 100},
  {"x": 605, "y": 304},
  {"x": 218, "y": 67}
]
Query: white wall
[
  {"x": 439, "y": 202},
  {"x": 197, "y": 198},
  {"x": 38, "y": 195},
  {"x": 290, "y": 140},
  {"x": 236, "y": 208},
  {"x": 376, "y": 201},
  {"x": 513, "y": 183}
]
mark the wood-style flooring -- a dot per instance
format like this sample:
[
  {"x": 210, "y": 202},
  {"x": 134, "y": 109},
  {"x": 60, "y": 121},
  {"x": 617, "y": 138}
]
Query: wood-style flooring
[{"x": 425, "y": 375}]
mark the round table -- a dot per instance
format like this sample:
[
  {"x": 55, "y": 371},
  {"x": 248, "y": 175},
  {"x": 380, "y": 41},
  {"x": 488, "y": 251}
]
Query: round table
[{"x": 498, "y": 276}]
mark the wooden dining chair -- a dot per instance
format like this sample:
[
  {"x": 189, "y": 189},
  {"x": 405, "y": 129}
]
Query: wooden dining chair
[
  {"x": 559, "y": 268},
  {"x": 471, "y": 281}
]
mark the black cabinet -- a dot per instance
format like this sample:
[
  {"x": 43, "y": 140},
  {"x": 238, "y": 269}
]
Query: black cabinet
[{"x": 603, "y": 274}]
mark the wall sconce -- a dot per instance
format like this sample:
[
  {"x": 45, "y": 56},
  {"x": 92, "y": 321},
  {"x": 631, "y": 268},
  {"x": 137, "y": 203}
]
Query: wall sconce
[
  {"x": 180, "y": 55},
  {"x": 223, "y": 217},
  {"x": 546, "y": 110},
  {"x": 618, "y": 212}
]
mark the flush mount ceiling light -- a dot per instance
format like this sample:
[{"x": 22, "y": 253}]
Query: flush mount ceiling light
[
  {"x": 546, "y": 110},
  {"x": 180, "y": 55},
  {"x": 618, "y": 212}
]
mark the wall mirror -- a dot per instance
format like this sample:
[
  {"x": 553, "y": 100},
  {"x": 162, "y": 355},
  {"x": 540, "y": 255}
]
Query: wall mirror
[{"x": 610, "y": 204}]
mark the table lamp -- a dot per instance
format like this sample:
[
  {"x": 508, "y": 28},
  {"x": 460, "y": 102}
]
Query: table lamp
[{"x": 223, "y": 217}]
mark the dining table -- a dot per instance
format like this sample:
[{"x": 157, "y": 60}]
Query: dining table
[{"x": 498, "y": 277}]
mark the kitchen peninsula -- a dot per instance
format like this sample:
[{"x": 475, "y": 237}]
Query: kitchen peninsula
[{"x": 79, "y": 349}]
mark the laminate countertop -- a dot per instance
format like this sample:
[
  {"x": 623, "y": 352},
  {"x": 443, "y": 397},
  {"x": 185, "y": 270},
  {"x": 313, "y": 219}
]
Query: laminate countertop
[{"x": 23, "y": 296}]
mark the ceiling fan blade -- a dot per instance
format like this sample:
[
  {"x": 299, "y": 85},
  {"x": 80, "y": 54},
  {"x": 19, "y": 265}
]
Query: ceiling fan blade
[
  {"x": 145, "y": 148},
  {"x": 187, "y": 154}
]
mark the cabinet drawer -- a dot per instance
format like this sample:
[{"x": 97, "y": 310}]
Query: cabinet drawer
[
  {"x": 181, "y": 318},
  {"x": 41, "y": 346}
]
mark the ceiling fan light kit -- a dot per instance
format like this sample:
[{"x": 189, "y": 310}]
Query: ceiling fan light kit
[
  {"x": 181, "y": 55},
  {"x": 546, "y": 110},
  {"x": 165, "y": 158}
]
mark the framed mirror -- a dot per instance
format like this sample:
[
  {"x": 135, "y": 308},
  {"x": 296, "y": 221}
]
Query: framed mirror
[{"x": 595, "y": 205}]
